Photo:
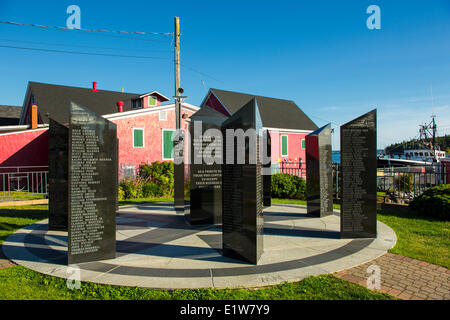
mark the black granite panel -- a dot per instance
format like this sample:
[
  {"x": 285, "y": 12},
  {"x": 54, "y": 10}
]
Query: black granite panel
[
  {"x": 206, "y": 167},
  {"x": 242, "y": 190},
  {"x": 267, "y": 174},
  {"x": 358, "y": 177},
  {"x": 58, "y": 149},
  {"x": 93, "y": 185},
  {"x": 319, "y": 179}
]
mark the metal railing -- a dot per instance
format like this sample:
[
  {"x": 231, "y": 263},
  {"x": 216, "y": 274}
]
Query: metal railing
[
  {"x": 26, "y": 182},
  {"x": 399, "y": 183},
  {"x": 405, "y": 183}
]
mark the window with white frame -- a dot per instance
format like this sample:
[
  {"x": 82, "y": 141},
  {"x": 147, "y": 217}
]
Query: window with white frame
[
  {"x": 162, "y": 115},
  {"x": 167, "y": 144},
  {"x": 138, "y": 137},
  {"x": 284, "y": 145},
  {"x": 151, "y": 101}
]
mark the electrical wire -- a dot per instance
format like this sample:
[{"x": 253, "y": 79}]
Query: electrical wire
[
  {"x": 79, "y": 46},
  {"x": 84, "y": 29},
  {"x": 84, "y": 53}
]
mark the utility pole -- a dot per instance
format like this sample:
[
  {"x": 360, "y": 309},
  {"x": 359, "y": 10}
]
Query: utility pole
[
  {"x": 178, "y": 167},
  {"x": 177, "y": 74}
]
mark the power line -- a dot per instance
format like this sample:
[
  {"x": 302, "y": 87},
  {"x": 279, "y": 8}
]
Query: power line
[
  {"x": 84, "y": 53},
  {"x": 106, "y": 55},
  {"x": 78, "y": 46},
  {"x": 84, "y": 29}
]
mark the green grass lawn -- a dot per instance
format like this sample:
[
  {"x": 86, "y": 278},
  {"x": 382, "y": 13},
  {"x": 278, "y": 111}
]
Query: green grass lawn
[
  {"x": 20, "y": 283},
  {"x": 421, "y": 238},
  {"x": 14, "y": 218},
  {"x": 418, "y": 237},
  {"x": 19, "y": 195}
]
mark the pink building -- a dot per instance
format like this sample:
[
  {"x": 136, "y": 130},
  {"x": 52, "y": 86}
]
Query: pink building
[
  {"x": 287, "y": 123},
  {"x": 145, "y": 124}
]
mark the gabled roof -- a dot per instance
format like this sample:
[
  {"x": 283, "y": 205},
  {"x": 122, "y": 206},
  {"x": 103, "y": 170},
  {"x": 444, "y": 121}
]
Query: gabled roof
[
  {"x": 54, "y": 100},
  {"x": 156, "y": 93},
  {"x": 275, "y": 113},
  {"x": 10, "y": 115}
]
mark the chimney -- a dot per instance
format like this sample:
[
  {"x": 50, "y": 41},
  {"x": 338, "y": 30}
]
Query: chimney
[
  {"x": 94, "y": 86},
  {"x": 119, "y": 106},
  {"x": 34, "y": 116}
]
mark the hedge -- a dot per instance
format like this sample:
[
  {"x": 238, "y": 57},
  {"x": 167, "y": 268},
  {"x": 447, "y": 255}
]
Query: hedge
[
  {"x": 288, "y": 186},
  {"x": 434, "y": 202},
  {"x": 154, "y": 180}
]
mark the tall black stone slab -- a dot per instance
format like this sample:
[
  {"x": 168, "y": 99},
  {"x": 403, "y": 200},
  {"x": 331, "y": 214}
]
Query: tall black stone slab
[
  {"x": 242, "y": 192},
  {"x": 358, "y": 177},
  {"x": 58, "y": 180},
  {"x": 93, "y": 185},
  {"x": 205, "y": 174},
  {"x": 267, "y": 171},
  {"x": 319, "y": 172}
]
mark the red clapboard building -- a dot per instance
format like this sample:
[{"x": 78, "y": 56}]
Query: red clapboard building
[
  {"x": 145, "y": 124},
  {"x": 286, "y": 122}
]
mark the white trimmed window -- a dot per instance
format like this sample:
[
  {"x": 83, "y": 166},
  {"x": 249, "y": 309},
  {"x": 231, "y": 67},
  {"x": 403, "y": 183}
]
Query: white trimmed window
[
  {"x": 167, "y": 144},
  {"x": 151, "y": 101},
  {"x": 138, "y": 137},
  {"x": 163, "y": 115},
  {"x": 284, "y": 146}
]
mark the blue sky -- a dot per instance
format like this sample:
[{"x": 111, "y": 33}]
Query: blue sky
[{"x": 319, "y": 54}]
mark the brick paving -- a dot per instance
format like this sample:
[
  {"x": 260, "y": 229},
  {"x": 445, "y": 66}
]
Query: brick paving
[
  {"x": 4, "y": 262},
  {"x": 404, "y": 278}
]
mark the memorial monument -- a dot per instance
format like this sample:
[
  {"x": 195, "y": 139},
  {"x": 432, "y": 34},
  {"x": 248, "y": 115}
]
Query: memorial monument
[
  {"x": 93, "y": 186},
  {"x": 206, "y": 166},
  {"x": 242, "y": 192},
  {"x": 267, "y": 170},
  {"x": 319, "y": 172},
  {"x": 58, "y": 149},
  {"x": 358, "y": 177}
]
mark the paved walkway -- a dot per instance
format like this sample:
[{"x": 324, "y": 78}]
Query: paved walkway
[
  {"x": 157, "y": 248},
  {"x": 4, "y": 262},
  {"x": 404, "y": 278}
]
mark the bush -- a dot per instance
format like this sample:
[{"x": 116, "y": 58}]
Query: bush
[
  {"x": 131, "y": 188},
  {"x": 288, "y": 186},
  {"x": 151, "y": 189},
  {"x": 160, "y": 173},
  {"x": 154, "y": 180},
  {"x": 434, "y": 202},
  {"x": 121, "y": 194}
]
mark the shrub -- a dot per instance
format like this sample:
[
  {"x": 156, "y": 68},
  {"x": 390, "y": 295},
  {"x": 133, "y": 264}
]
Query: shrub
[
  {"x": 151, "y": 189},
  {"x": 121, "y": 194},
  {"x": 288, "y": 186},
  {"x": 160, "y": 173},
  {"x": 132, "y": 188},
  {"x": 434, "y": 202}
]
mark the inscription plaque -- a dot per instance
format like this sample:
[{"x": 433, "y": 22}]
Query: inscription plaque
[
  {"x": 319, "y": 172},
  {"x": 242, "y": 192},
  {"x": 206, "y": 167},
  {"x": 58, "y": 192},
  {"x": 358, "y": 177},
  {"x": 93, "y": 186}
]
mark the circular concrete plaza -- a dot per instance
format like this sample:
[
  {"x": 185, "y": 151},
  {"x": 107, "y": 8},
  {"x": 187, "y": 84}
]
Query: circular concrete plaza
[{"x": 157, "y": 248}]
